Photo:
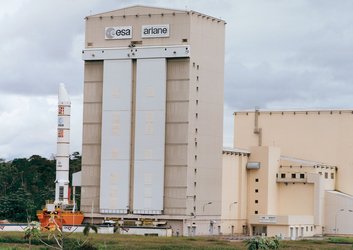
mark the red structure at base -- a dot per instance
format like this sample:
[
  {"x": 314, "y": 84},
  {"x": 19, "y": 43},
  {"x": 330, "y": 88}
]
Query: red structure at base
[{"x": 59, "y": 217}]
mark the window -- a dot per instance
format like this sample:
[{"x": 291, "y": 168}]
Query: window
[
  {"x": 320, "y": 173},
  {"x": 256, "y": 201},
  {"x": 197, "y": 89},
  {"x": 307, "y": 228},
  {"x": 195, "y": 170},
  {"x": 257, "y": 180},
  {"x": 256, "y": 212},
  {"x": 195, "y": 143},
  {"x": 332, "y": 176},
  {"x": 198, "y": 67},
  {"x": 326, "y": 175},
  {"x": 196, "y": 115},
  {"x": 195, "y": 184},
  {"x": 294, "y": 176},
  {"x": 302, "y": 176},
  {"x": 283, "y": 175},
  {"x": 195, "y": 157},
  {"x": 197, "y": 78},
  {"x": 256, "y": 190},
  {"x": 197, "y": 102},
  {"x": 196, "y": 130},
  {"x": 311, "y": 228}
]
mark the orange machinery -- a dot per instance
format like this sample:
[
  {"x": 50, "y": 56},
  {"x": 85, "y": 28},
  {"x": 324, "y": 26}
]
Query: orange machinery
[{"x": 52, "y": 216}]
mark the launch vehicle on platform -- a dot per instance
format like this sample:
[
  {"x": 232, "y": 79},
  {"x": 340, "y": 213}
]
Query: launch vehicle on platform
[
  {"x": 62, "y": 210},
  {"x": 63, "y": 148}
]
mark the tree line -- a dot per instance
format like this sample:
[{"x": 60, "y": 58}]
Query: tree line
[{"x": 27, "y": 183}]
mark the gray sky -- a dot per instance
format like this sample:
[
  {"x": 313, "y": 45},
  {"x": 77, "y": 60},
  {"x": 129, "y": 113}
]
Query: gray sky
[{"x": 279, "y": 54}]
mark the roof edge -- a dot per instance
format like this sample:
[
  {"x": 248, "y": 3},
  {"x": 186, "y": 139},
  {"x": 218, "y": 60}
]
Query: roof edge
[
  {"x": 235, "y": 150},
  {"x": 154, "y": 7},
  {"x": 276, "y": 111}
]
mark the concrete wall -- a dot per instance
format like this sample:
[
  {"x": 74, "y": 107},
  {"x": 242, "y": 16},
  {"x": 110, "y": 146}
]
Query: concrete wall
[
  {"x": 262, "y": 186},
  {"x": 206, "y": 113},
  {"x": 91, "y": 138},
  {"x": 234, "y": 192},
  {"x": 338, "y": 213},
  {"x": 176, "y": 144},
  {"x": 296, "y": 199},
  {"x": 322, "y": 135}
]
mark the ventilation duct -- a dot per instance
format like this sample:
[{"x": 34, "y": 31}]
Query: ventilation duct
[{"x": 253, "y": 165}]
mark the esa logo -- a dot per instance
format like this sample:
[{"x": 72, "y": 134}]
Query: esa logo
[{"x": 118, "y": 32}]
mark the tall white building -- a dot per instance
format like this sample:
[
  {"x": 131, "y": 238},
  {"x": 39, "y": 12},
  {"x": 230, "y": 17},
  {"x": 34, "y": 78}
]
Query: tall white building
[{"x": 153, "y": 117}]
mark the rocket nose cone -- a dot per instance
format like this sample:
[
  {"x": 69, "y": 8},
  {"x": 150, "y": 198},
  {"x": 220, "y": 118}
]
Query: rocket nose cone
[{"x": 63, "y": 95}]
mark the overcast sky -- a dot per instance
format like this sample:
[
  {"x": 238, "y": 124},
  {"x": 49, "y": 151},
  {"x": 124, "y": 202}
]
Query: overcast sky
[{"x": 279, "y": 54}]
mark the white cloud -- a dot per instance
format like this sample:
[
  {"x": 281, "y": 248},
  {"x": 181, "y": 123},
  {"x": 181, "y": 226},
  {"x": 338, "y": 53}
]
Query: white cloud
[
  {"x": 278, "y": 54},
  {"x": 28, "y": 125}
]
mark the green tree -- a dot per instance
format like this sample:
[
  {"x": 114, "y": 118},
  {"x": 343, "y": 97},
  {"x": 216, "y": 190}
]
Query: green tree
[
  {"x": 26, "y": 184},
  {"x": 15, "y": 205}
]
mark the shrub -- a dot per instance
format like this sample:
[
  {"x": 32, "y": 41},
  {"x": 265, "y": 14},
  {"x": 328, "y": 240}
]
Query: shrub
[{"x": 262, "y": 243}]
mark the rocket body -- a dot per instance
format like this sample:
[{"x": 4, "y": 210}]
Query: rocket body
[{"x": 63, "y": 147}]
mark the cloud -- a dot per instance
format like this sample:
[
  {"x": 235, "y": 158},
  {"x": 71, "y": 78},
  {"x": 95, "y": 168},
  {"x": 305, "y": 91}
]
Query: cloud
[
  {"x": 36, "y": 48},
  {"x": 289, "y": 53},
  {"x": 279, "y": 54},
  {"x": 28, "y": 125}
]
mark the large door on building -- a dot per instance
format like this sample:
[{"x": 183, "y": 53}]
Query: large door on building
[
  {"x": 116, "y": 136},
  {"x": 149, "y": 136}
]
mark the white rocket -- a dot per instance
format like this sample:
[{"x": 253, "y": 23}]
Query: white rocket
[{"x": 63, "y": 147}]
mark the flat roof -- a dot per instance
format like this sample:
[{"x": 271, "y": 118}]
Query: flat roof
[
  {"x": 111, "y": 12},
  {"x": 235, "y": 150},
  {"x": 340, "y": 193},
  {"x": 299, "y": 111},
  {"x": 303, "y": 162}
]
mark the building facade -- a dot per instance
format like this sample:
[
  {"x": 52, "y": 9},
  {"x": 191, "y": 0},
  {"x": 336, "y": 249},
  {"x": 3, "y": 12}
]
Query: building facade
[
  {"x": 298, "y": 172},
  {"x": 153, "y": 81},
  {"x": 318, "y": 135}
]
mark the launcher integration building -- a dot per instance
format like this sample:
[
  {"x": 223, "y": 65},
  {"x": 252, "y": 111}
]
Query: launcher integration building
[
  {"x": 153, "y": 116},
  {"x": 152, "y": 137}
]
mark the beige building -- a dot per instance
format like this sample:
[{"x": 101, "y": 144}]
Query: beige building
[
  {"x": 150, "y": 92},
  {"x": 298, "y": 171},
  {"x": 320, "y": 135}
]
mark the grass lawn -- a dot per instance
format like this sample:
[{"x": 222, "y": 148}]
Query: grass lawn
[{"x": 14, "y": 240}]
